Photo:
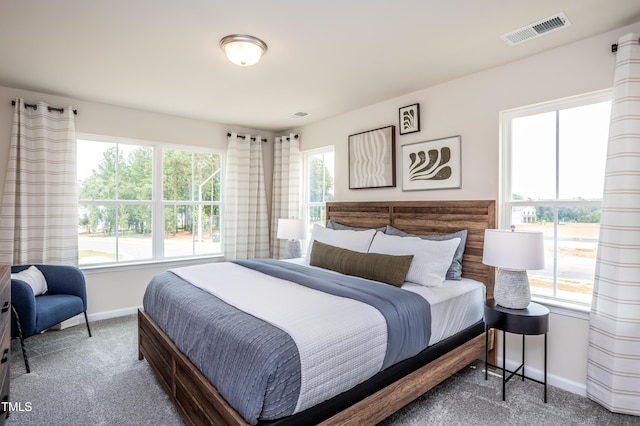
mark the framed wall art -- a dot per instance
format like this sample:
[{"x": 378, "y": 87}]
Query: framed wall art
[
  {"x": 409, "y": 120},
  {"x": 434, "y": 164},
  {"x": 372, "y": 158}
]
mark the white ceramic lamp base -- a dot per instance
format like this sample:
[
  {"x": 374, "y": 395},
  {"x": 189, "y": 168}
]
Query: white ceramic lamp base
[
  {"x": 292, "y": 249},
  {"x": 512, "y": 289}
]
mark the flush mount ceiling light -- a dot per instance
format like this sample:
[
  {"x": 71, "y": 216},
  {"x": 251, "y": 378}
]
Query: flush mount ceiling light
[{"x": 243, "y": 50}]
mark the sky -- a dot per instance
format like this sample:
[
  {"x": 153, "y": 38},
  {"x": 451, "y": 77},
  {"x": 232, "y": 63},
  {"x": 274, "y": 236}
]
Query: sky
[{"x": 583, "y": 135}]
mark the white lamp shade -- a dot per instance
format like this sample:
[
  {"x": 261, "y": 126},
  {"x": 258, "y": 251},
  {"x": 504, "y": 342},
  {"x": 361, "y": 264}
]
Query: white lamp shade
[
  {"x": 291, "y": 229},
  {"x": 243, "y": 50},
  {"x": 513, "y": 249}
]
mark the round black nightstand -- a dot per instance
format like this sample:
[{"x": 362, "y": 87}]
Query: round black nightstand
[{"x": 533, "y": 320}]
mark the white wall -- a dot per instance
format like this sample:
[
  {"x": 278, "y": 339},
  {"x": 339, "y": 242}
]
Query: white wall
[
  {"x": 111, "y": 292},
  {"x": 470, "y": 107}
]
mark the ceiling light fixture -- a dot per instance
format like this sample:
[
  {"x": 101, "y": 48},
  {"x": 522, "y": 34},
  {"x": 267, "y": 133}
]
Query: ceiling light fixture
[{"x": 243, "y": 50}]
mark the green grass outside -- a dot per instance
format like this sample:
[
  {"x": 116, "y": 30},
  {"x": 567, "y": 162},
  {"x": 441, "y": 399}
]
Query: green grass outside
[{"x": 92, "y": 253}]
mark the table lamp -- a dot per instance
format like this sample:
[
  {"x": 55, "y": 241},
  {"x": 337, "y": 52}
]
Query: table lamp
[
  {"x": 293, "y": 231},
  {"x": 513, "y": 253}
]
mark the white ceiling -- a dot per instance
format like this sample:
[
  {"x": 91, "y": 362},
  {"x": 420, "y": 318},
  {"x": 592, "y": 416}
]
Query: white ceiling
[{"x": 324, "y": 58}]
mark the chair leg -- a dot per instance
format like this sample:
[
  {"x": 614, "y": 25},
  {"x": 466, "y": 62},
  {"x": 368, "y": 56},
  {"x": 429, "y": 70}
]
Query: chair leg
[
  {"x": 87, "y": 321},
  {"x": 24, "y": 350}
]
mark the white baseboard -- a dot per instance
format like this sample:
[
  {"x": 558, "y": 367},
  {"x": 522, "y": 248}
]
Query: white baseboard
[
  {"x": 79, "y": 319},
  {"x": 552, "y": 379},
  {"x": 113, "y": 314}
]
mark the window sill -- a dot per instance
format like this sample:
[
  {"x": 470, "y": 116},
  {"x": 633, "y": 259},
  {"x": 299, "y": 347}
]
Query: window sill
[
  {"x": 167, "y": 263},
  {"x": 567, "y": 309}
]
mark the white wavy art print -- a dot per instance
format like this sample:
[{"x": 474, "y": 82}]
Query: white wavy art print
[{"x": 371, "y": 156}]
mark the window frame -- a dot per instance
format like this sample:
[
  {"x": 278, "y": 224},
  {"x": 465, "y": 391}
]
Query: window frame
[
  {"x": 164, "y": 203},
  {"x": 157, "y": 204},
  {"x": 506, "y": 204}
]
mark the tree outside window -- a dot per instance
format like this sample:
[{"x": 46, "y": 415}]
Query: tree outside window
[
  {"x": 116, "y": 202},
  {"x": 319, "y": 184}
]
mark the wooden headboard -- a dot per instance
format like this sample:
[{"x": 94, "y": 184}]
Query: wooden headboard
[{"x": 429, "y": 217}]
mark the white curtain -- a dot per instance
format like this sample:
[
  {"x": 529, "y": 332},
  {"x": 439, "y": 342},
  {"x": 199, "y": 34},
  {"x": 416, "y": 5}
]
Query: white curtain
[
  {"x": 245, "y": 217},
  {"x": 613, "y": 370},
  {"x": 39, "y": 214},
  {"x": 286, "y": 187}
]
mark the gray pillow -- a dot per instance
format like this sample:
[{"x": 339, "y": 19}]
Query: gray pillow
[
  {"x": 455, "y": 270},
  {"x": 340, "y": 227},
  {"x": 389, "y": 269}
]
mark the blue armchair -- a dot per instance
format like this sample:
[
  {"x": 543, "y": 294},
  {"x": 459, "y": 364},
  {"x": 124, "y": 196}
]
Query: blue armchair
[{"x": 65, "y": 298}]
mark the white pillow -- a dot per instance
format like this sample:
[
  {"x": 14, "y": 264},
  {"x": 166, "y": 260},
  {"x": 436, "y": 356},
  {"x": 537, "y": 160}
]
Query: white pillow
[
  {"x": 431, "y": 259},
  {"x": 34, "y": 278},
  {"x": 347, "y": 239}
]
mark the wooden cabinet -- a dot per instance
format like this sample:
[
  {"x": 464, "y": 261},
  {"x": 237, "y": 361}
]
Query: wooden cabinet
[{"x": 5, "y": 339}]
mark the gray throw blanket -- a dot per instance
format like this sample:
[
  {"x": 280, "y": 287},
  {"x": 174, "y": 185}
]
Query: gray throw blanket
[{"x": 221, "y": 342}]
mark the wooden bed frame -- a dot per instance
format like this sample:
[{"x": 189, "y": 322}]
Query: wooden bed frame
[{"x": 199, "y": 402}]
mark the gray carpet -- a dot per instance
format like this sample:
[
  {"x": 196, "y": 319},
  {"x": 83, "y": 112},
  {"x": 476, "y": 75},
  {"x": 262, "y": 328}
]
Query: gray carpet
[{"x": 77, "y": 380}]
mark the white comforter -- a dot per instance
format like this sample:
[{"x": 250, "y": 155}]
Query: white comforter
[{"x": 341, "y": 342}]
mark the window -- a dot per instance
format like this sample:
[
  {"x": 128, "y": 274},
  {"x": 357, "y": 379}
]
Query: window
[
  {"x": 145, "y": 202},
  {"x": 552, "y": 181},
  {"x": 319, "y": 184},
  {"x": 191, "y": 201}
]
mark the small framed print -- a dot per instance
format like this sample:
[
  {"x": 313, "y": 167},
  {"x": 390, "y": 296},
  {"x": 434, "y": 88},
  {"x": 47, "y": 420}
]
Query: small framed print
[
  {"x": 409, "y": 119},
  {"x": 434, "y": 164},
  {"x": 372, "y": 159}
]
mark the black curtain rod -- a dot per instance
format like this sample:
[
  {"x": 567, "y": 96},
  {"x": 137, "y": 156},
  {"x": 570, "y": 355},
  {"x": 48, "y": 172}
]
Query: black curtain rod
[
  {"x": 244, "y": 137},
  {"x": 614, "y": 47},
  {"x": 50, "y": 108},
  {"x": 287, "y": 137}
]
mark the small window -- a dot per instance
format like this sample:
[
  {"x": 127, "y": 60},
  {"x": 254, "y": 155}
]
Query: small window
[{"x": 319, "y": 184}]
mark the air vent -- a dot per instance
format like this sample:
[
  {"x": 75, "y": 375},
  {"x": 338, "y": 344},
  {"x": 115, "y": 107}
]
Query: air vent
[
  {"x": 536, "y": 29},
  {"x": 298, "y": 114}
]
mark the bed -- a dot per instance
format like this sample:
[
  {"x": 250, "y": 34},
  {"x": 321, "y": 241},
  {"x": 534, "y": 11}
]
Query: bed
[{"x": 375, "y": 398}]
